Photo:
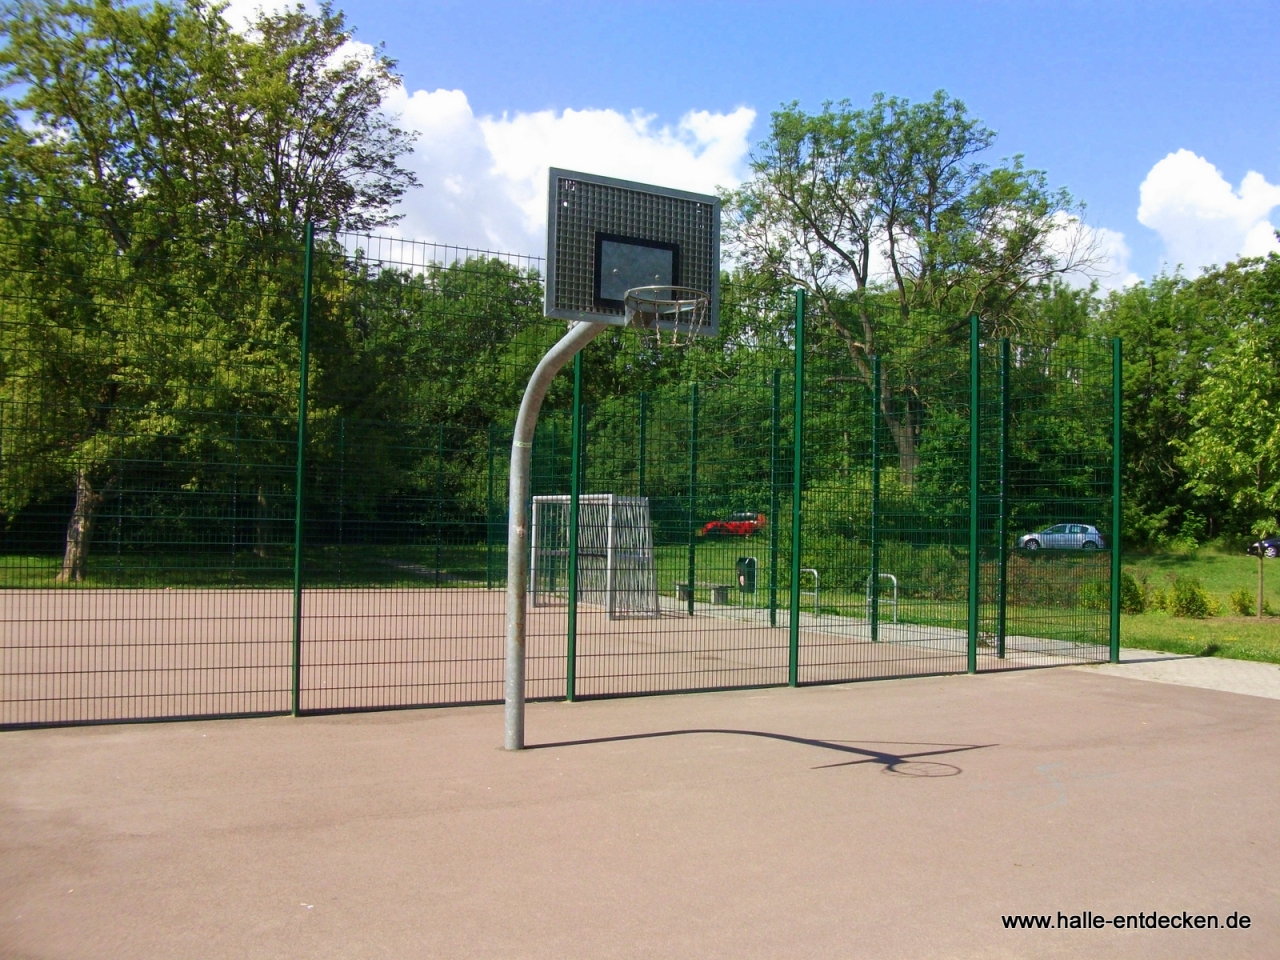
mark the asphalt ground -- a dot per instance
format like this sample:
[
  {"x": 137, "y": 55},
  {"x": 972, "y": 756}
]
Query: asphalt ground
[
  {"x": 888, "y": 819},
  {"x": 75, "y": 656}
]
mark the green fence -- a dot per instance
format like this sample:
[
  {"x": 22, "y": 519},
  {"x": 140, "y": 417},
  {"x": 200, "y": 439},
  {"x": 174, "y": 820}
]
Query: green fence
[{"x": 188, "y": 532}]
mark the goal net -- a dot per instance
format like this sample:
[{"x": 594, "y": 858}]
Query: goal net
[{"x": 616, "y": 569}]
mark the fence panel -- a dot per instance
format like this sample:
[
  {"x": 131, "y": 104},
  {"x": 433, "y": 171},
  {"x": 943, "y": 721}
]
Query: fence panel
[
  {"x": 147, "y": 419},
  {"x": 149, "y": 423}
]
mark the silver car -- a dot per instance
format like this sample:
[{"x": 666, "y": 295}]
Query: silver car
[{"x": 1064, "y": 536}]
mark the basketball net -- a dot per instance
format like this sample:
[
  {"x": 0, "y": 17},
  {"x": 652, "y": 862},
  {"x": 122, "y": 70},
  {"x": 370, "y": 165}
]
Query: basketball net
[{"x": 667, "y": 316}]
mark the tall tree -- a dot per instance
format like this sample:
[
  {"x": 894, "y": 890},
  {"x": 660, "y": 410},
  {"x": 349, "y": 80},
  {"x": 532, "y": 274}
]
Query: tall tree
[
  {"x": 184, "y": 143},
  {"x": 164, "y": 111},
  {"x": 894, "y": 205},
  {"x": 1233, "y": 451}
]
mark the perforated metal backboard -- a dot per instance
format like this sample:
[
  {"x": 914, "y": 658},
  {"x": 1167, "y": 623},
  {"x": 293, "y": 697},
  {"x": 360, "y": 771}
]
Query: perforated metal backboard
[{"x": 607, "y": 236}]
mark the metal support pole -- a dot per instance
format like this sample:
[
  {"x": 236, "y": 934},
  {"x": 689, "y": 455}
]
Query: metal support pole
[
  {"x": 975, "y": 399},
  {"x": 307, "y": 257},
  {"x": 797, "y": 479},
  {"x": 775, "y": 438},
  {"x": 693, "y": 492},
  {"x": 1002, "y": 584},
  {"x": 644, "y": 433},
  {"x": 575, "y": 492},
  {"x": 579, "y": 335},
  {"x": 874, "y": 612},
  {"x": 1117, "y": 515}
]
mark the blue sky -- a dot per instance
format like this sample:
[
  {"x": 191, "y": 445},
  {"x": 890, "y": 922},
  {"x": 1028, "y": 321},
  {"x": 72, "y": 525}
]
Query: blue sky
[{"x": 1098, "y": 95}]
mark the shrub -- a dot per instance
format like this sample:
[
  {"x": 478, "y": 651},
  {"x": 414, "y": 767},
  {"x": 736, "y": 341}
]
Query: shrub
[
  {"x": 1242, "y": 603},
  {"x": 1156, "y": 598},
  {"x": 1133, "y": 598},
  {"x": 1095, "y": 595},
  {"x": 1188, "y": 598}
]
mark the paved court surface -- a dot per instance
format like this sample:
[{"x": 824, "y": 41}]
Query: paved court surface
[
  {"x": 891, "y": 819},
  {"x": 92, "y": 655},
  {"x": 1209, "y": 673}
]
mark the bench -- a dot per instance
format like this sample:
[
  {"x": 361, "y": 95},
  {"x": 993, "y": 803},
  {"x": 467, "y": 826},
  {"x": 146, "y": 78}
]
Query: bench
[{"x": 719, "y": 591}]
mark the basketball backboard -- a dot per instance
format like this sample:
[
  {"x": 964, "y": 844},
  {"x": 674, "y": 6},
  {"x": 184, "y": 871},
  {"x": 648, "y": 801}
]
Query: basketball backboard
[{"x": 607, "y": 236}]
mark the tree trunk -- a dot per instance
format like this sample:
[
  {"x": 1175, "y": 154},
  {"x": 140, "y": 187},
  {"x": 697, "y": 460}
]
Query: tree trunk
[
  {"x": 1261, "y": 600},
  {"x": 901, "y": 428},
  {"x": 260, "y": 524},
  {"x": 75, "y": 557}
]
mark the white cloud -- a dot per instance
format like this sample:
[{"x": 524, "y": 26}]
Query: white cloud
[
  {"x": 1106, "y": 251},
  {"x": 240, "y": 13},
  {"x": 484, "y": 179},
  {"x": 1201, "y": 218}
]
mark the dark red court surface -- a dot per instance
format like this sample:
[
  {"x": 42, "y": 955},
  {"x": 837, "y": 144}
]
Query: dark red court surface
[{"x": 890, "y": 819}]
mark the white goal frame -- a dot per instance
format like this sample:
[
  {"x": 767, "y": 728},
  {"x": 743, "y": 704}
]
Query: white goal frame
[{"x": 616, "y": 567}]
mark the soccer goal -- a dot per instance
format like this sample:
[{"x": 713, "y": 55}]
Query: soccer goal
[{"x": 616, "y": 569}]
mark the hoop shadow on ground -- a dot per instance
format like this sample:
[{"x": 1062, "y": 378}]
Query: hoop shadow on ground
[{"x": 901, "y": 764}]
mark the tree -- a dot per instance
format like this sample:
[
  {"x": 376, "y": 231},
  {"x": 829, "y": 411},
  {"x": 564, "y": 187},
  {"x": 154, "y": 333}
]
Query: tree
[
  {"x": 1233, "y": 451},
  {"x": 171, "y": 133},
  {"x": 164, "y": 116},
  {"x": 893, "y": 205},
  {"x": 1168, "y": 343}
]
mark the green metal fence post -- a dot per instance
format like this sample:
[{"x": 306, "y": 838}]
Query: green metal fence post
[
  {"x": 975, "y": 398},
  {"x": 874, "y": 613},
  {"x": 797, "y": 478},
  {"x": 488, "y": 520},
  {"x": 553, "y": 470},
  {"x": 644, "y": 429},
  {"x": 439, "y": 495},
  {"x": 1117, "y": 516},
  {"x": 308, "y": 256},
  {"x": 575, "y": 492},
  {"x": 235, "y": 496},
  {"x": 1002, "y": 584},
  {"x": 342, "y": 492},
  {"x": 775, "y": 438},
  {"x": 693, "y": 492}
]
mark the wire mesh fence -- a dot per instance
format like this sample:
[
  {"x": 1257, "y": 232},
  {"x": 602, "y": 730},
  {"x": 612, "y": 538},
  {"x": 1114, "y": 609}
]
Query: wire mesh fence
[{"x": 176, "y": 544}]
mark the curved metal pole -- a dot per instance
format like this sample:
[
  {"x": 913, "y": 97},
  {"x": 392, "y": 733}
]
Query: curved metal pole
[{"x": 579, "y": 335}]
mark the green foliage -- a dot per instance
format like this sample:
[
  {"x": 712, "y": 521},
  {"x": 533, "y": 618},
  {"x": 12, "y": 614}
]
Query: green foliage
[
  {"x": 1133, "y": 599},
  {"x": 834, "y": 192},
  {"x": 1199, "y": 401},
  {"x": 150, "y": 262},
  {"x": 1095, "y": 595},
  {"x": 1189, "y": 599},
  {"x": 1233, "y": 450},
  {"x": 162, "y": 118},
  {"x": 1242, "y": 602}
]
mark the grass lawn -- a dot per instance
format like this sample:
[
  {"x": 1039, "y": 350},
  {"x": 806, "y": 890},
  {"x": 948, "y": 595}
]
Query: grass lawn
[
  {"x": 1239, "y": 638},
  {"x": 1220, "y": 572}
]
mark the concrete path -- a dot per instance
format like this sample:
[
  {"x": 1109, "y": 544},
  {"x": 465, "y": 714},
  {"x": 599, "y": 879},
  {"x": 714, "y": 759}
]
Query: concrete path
[
  {"x": 898, "y": 819},
  {"x": 1208, "y": 673}
]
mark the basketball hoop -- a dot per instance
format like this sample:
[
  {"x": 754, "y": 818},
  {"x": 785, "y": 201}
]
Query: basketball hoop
[{"x": 667, "y": 315}]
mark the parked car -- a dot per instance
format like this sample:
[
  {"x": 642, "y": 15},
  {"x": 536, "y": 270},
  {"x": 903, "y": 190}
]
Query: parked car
[
  {"x": 1266, "y": 547},
  {"x": 1064, "y": 536},
  {"x": 736, "y": 525}
]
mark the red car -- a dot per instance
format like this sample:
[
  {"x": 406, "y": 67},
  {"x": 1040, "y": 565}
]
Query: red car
[{"x": 737, "y": 525}]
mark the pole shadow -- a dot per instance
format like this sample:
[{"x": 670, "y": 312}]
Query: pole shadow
[{"x": 904, "y": 764}]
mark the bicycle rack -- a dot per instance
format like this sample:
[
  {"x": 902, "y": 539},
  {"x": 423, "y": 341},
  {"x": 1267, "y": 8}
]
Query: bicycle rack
[
  {"x": 895, "y": 595},
  {"x": 814, "y": 591}
]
